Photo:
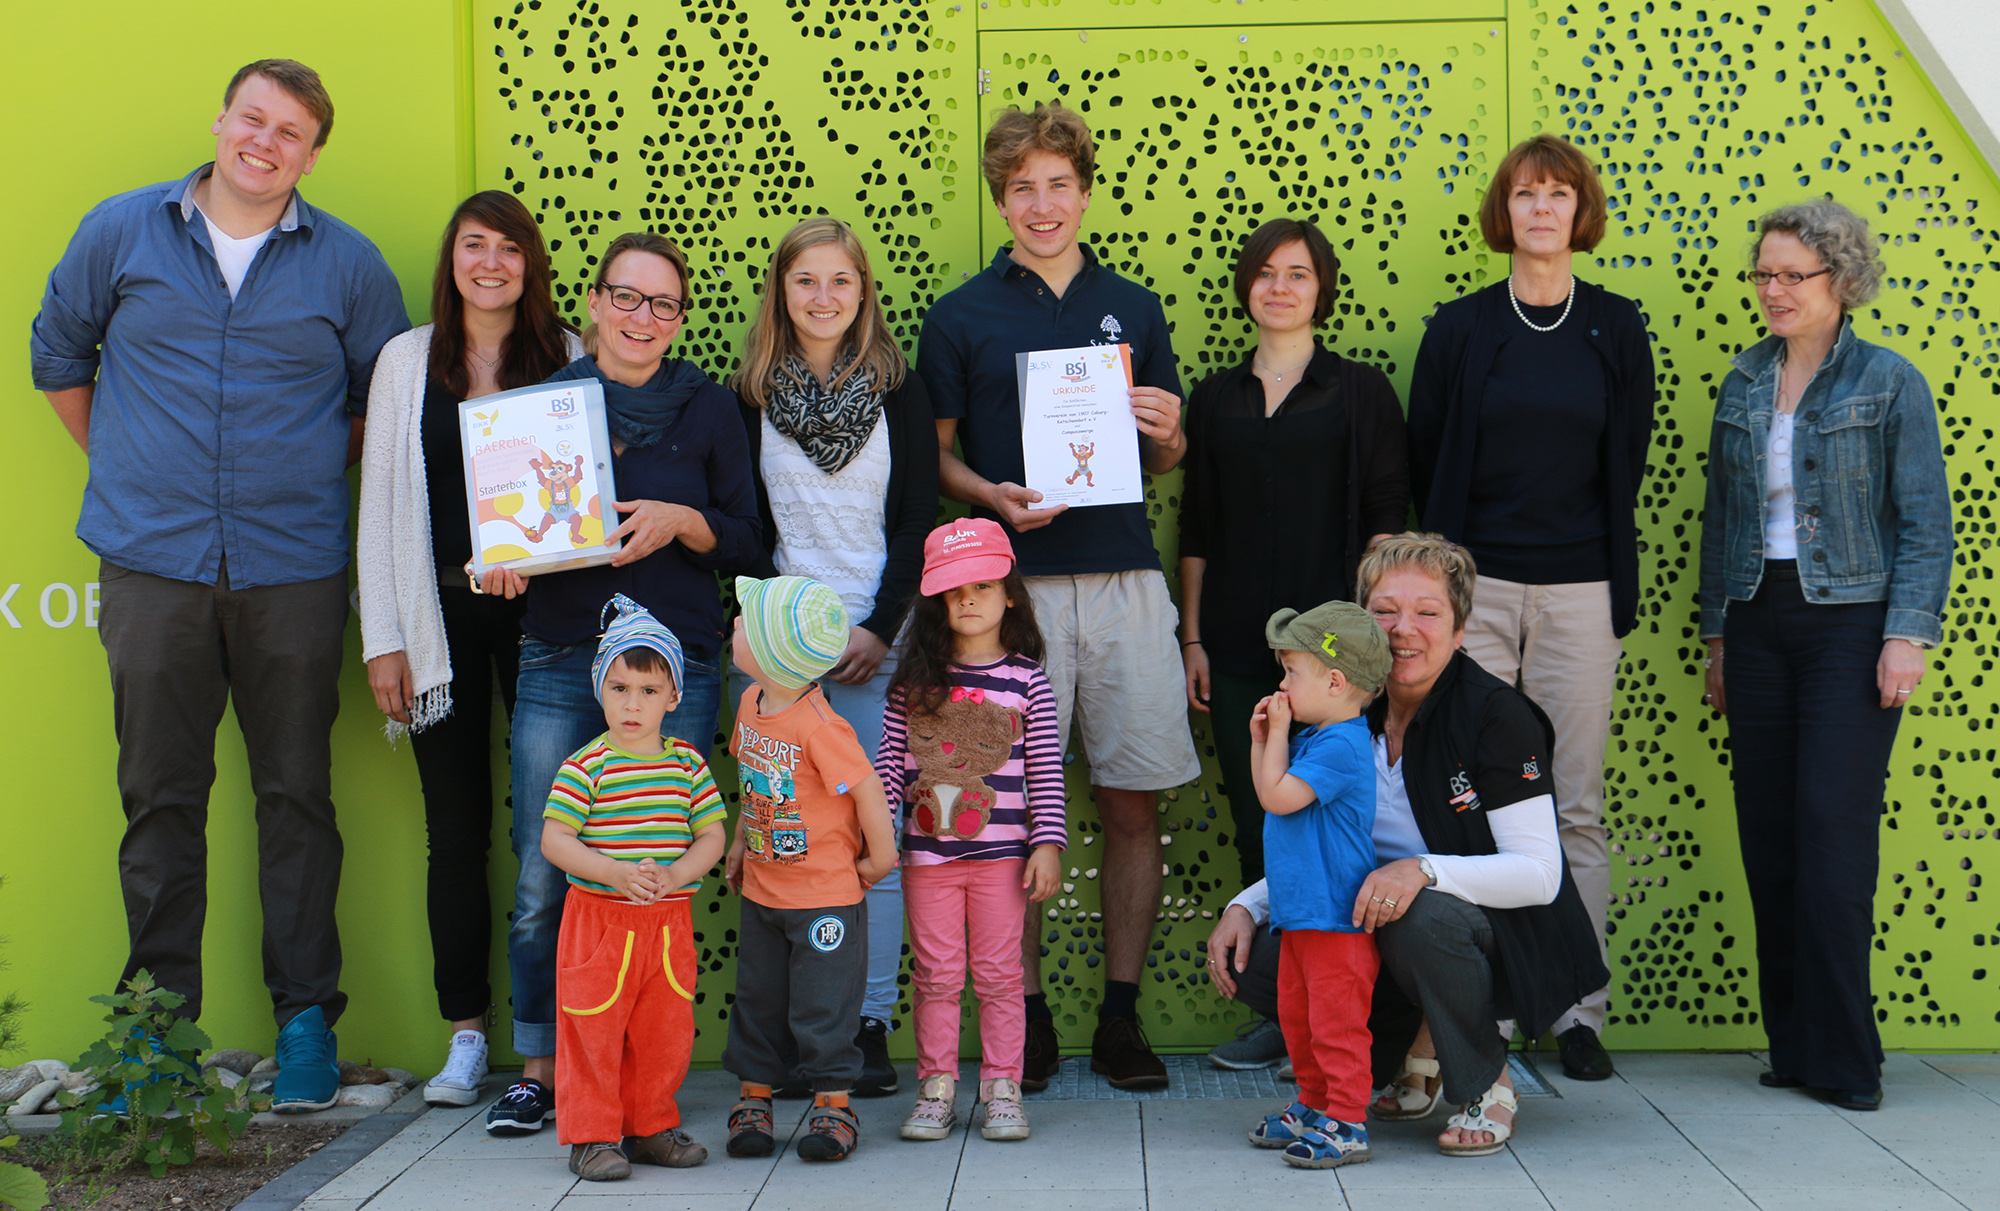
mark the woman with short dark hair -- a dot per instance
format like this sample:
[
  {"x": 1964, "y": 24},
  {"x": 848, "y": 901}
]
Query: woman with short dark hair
[
  {"x": 1530, "y": 413},
  {"x": 1295, "y": 461},
  {"x": 1825, "y": 561},
  {"x": 435, "y": 651}
]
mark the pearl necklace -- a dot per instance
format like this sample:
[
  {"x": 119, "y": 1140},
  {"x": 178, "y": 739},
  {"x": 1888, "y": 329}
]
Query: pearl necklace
[{"x": 1532, "y": 325}]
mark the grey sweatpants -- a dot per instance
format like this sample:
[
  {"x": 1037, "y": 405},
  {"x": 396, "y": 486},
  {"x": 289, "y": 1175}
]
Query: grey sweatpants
[{"x": 800, "y": 976}]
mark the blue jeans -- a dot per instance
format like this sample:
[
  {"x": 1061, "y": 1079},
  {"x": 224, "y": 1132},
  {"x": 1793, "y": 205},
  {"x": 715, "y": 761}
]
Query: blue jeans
[
  {"x": 555, "y": 714},
  {"x": 862, "y": 706}
]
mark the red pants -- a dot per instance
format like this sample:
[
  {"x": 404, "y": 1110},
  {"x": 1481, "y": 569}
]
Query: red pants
[
  {"x": 625, "y": 987},
  {"x": 1326, "y": 983}
]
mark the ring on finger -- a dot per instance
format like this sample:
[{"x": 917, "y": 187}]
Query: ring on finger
[{"x": 1389, "y": 903}]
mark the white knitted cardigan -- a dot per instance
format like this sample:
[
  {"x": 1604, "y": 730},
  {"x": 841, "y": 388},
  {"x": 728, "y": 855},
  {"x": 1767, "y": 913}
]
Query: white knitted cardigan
[{"x": 397, "y": 572}]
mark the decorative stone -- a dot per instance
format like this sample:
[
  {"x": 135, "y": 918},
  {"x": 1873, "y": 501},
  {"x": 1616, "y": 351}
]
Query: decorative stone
[
  {"x": 268, "y": 1064},
  {"x": 16, "y": 1081},
  {"x": 373, "y": 1097},
  {"x": 235, "y": 1060},
  {"x": 263, "y": 1082},
  {"x": 401, "y": 1077},
  {"x": 350, "y": 1073},
  {"x": 77, "y": 1082},
  {"x": 50, "y": 1069},
  {"x": 229, "y": 1077},
  {"x": 31, "y": 1102}
]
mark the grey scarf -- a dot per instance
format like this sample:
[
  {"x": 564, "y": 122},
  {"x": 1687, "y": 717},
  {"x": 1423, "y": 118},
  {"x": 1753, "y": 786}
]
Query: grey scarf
[{"x": 830, "y": 426}]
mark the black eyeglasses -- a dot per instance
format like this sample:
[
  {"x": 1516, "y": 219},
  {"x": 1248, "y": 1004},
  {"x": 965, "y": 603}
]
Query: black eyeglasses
[
  {"x": 1757, "y": 277},
  {"x": 665, "y": 306}
]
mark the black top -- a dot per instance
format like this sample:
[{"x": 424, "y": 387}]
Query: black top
[
  {"x": 966, "y": 357},
  {"x": 1475, "y": 733},
  {"x": 1447, "y": 397},
  {"x": 1537, "y": 512},
  {"x": 909, "y": 511},
  {"x": 700, "y": 461},
  {"x": 444, "y": 476},
  {"x": 1281, "y": 506}
]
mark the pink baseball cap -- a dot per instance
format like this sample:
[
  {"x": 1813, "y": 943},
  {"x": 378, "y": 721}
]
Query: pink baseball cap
[{"x": 964, "y": 551}]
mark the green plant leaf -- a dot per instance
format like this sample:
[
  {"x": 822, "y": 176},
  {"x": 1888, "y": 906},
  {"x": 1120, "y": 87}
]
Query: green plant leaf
[
  {"x": 22, "y": 1187},
  {"x": 185, "y": 1036}
]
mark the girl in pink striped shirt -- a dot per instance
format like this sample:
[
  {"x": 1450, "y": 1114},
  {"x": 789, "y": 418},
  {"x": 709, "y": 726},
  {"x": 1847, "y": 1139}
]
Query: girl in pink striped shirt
[{"x": 972, "y": 763}]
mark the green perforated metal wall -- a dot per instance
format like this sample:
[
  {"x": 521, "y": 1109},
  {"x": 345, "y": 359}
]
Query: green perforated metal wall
[{"x": 720, "y": 123}]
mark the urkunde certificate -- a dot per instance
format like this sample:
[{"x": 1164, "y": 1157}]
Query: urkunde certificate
[
  {"x": 538, "y": 477},
  {"x": 1079, "y": 443}
]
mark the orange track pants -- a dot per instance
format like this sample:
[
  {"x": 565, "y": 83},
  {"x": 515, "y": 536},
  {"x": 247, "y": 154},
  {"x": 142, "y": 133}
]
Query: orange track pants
[{"x": 625, "y": 1028}]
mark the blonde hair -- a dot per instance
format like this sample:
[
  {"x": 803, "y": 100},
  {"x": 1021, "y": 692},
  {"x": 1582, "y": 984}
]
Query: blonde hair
[
  {"x": 638, "y": 241},
  {"x": 1052, "y": 127},
  {"x": 1433, "y": 554},
  {"x": 772, "y": 339}
]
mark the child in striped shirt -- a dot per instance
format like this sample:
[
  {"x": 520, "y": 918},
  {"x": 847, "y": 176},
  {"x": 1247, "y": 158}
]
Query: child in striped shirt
[
  {"x": 970, "y": 756},
  {"x": 634, "y": 819}
]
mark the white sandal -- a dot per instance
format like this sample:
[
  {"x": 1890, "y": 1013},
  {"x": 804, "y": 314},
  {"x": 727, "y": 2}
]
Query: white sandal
[
  {"x": 1473, "y": 1118},
  {"x": 1412, "y": 1103}
]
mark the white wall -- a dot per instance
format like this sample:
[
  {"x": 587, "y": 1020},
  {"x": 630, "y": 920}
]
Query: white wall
[{"x": 1958, "y": 44}]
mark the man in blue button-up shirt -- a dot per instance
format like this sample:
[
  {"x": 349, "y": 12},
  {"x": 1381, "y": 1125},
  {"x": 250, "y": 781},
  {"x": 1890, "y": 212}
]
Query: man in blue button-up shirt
[{"x": 209, "y": 342}]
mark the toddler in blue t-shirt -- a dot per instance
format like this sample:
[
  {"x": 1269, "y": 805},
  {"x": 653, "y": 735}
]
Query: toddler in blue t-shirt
[{"x": 1318, "y": 794}]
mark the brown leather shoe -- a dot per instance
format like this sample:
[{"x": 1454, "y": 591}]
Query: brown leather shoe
[
  {"x": 599, "y": 1162},
  {"x": 1120, "y": 1051},
  {"x": 1041, "y": 1057},
  {"x": 673, "y": 1148}
]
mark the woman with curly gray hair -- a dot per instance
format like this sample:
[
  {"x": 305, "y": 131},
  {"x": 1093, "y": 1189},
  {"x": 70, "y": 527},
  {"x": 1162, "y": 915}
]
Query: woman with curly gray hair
[{"x": 1825, "y": 560}]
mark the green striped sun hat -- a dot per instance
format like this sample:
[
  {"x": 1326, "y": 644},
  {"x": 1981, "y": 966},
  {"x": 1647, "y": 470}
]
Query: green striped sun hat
[{"x": 797, "y": 627}]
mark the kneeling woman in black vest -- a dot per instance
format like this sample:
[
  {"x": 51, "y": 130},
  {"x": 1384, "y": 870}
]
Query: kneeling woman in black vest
[{"x": 1478, "y": 921}]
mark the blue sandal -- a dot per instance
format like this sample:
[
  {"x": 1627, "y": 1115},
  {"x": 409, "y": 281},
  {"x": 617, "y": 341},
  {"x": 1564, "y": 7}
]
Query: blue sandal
[
  {"x": 1329, "y": 1146},
  {"x": 1282, "y": 1129}
]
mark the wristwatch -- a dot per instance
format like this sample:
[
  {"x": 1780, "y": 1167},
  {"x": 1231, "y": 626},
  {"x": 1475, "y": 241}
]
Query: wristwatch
[{"x": 1430, "y": 873}]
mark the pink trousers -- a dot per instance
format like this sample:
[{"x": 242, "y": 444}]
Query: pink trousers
[{"x": 945, "y": 905}]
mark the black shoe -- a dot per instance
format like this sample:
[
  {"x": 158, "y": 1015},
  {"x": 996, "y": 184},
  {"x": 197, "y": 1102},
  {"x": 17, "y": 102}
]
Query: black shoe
[
  {"x": 832, "y": 1134},
  {"x": 1583, "y": 1057},
  {"x": 1856, "y": 1099},
  {"x": 522, "y": 1109},
  {"x": 1041, "y": 1057},
  {"x": 878, "y": 1075},
  {"x": 751, "y": 1132},
  {"x": 1120, "y": 1051},
  {"x": 1771, "y": 1078}
]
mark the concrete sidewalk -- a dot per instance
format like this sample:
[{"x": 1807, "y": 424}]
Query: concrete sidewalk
[{"x": 1693, "y": 1132}]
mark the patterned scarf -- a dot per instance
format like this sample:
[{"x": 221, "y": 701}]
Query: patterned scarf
[{"x": 830, "y": 426}]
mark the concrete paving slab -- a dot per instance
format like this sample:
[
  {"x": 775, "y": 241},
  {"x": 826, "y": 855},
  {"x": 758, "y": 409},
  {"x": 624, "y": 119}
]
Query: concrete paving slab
[{"x": 1780, "y": 1150}]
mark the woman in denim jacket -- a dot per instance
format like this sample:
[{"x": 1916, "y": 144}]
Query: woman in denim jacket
[{"x": 1825, "y": 559}]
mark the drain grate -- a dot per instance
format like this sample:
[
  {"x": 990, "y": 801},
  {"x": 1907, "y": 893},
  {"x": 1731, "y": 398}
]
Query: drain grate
[{"x": 1192, "y": 1078}]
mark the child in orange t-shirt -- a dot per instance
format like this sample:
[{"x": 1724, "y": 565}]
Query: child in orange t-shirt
[{"x": 814, "y": 832}]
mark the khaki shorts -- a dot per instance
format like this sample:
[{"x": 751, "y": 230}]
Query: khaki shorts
[{"x": 1116, "y": 669}]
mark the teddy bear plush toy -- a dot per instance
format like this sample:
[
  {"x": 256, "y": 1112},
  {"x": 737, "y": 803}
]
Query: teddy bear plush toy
[{"x": 955, "y": 747}]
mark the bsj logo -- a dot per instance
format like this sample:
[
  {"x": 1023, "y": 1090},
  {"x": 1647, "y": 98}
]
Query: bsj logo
[
  {"x": 1530, "y": 770},
  {"x": 562, "y": 407},
  {"x": 827, "y": 933},
  {"x": 1076, "y": 372}
]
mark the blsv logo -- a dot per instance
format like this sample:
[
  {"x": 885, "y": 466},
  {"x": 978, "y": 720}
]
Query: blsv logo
[{"x": 61, "y": 605}]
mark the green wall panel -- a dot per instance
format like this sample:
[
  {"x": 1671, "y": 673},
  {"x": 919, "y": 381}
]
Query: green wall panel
[{"x": 722, "y": 122}]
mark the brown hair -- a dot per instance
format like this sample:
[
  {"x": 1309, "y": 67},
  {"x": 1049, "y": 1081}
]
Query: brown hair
[
  {"x": 1448, "y": 563},
  {"x": 1052, "y": 127},
  {"x": 923, "y": 662},
  {"x": 535, "y": 348},
  {"x": 772, "y": 339},
  {"x": 300, "y": 81},
  {"x": 638, "y": 241},
  {"x": 1544, "y": 158},
  {"x": 1264, "y": 243}
]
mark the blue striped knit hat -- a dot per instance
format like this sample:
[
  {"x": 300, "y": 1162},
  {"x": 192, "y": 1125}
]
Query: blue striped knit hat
[
  {"x": 635, "y": 627},
  {"x": 797, "y": 627}
]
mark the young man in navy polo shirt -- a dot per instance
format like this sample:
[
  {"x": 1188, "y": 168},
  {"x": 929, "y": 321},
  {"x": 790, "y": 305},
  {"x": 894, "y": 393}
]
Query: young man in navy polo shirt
[
  {"x": 209, "y": 343},
  {"x": 1094, "y": 575}
]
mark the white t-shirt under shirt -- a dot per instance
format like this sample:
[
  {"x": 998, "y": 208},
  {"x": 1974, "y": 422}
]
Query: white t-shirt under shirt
[
  {"x": 830, "y": 527},
  {"x": 233, "y": 256},
  {"x": 1781, "y": 501}
]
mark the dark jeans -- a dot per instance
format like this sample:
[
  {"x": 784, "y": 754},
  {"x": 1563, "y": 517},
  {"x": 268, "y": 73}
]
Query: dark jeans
[
  {"x": 1230, "y": 700},
  {"x": 179, "y": 652},
  {"x": 455, "y": 764},
  {"x": 1810, "y": 746}
]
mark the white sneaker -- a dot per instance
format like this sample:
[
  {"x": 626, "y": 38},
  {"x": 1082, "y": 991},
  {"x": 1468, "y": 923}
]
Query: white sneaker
[{"x": 464, "y": 1069}]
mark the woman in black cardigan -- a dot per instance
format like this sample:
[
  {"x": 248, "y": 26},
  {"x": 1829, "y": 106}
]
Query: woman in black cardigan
[
  {"x": 845, "y": 450},
  {"x": 1530, "y": 414},
  {"x": 1295, "y": 463}
]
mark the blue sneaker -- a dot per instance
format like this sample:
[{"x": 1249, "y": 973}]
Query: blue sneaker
[
  {"x": 1329, "y": 1146},
  {"x": 1282, "y": 1129},
  {"x": 308, "y": 1077},
  {"x": 119, "y": 1106}
]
